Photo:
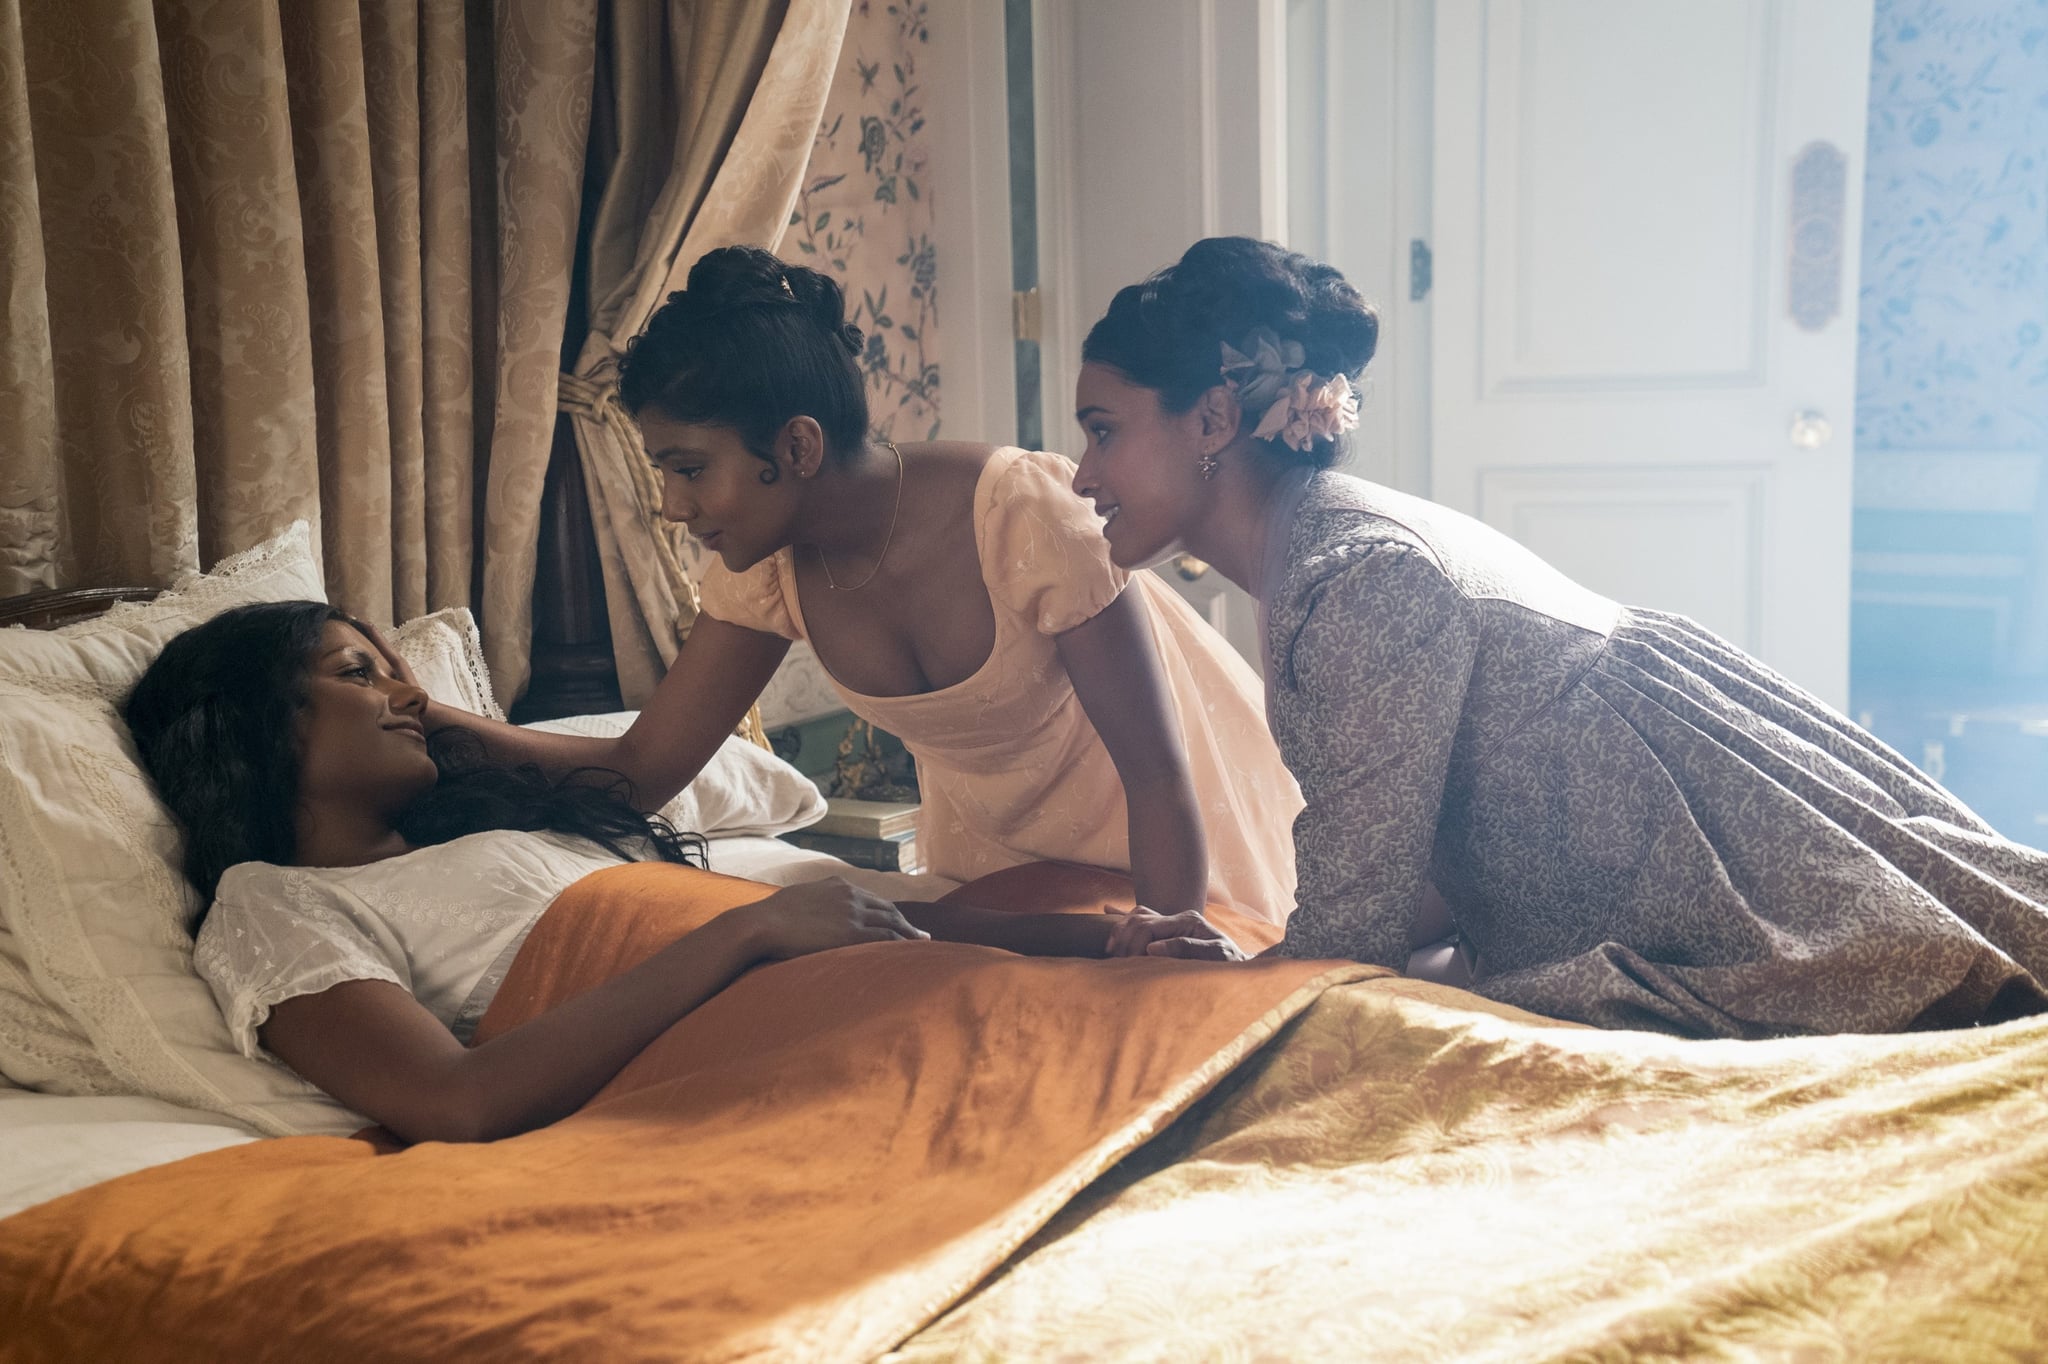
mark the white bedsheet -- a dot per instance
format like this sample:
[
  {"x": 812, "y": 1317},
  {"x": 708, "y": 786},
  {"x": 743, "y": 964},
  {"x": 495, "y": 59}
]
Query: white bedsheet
[{"x": 51, "y": 1145}]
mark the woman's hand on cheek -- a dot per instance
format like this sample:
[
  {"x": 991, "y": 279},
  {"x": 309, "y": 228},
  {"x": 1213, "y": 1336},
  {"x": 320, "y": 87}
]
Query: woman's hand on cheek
[{"x": 1144, "y": 933}]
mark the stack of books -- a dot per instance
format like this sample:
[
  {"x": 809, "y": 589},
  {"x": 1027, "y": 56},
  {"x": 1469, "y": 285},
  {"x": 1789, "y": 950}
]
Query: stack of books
[{"x": 867, "y": 833}]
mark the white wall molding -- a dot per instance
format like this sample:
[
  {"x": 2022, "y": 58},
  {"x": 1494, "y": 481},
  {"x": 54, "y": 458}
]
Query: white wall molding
[
  {"x": 1357, "y": 144},
  {"x": 1209, "y": 173},
  {"x": 1053, "y": 40},
  {"x": 966, "y": 83},
  {"x": 1273, "y": 133},
  {"x": 1159, "y": 122},
  {"x": 1997, "y": 607},
  {"x": 1932, "y": 564},
  {"x": 1949, "y": 480}
]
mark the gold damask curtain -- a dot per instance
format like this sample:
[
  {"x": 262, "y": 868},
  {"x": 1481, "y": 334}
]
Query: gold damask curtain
[
  {"x": 704, "y": 125},
  {"x": 268, "y": 259}
]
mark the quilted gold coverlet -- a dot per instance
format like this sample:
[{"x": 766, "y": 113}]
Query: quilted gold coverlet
[{"x": 1409, "y": 1173}]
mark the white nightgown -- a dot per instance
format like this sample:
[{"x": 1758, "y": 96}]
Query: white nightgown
[{"x": 443, "y": 922}]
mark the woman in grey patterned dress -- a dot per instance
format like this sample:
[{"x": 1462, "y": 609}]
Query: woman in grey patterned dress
[{"x": 1633, "y": 823}]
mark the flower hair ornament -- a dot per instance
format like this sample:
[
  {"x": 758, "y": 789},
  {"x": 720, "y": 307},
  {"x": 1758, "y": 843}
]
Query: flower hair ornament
[{"x": 1270, "y": 373}]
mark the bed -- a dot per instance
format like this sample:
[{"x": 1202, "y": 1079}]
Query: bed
[
  {"x": 51, "y": 1144},
  {"x": 954, "y": 1153}
]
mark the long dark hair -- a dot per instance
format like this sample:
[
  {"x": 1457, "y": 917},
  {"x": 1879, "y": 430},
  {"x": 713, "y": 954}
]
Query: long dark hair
[
  {"x": 748, "y": 343},
  {"x": 214, "y": 720},
  {"x": 1166, "y": 333}
]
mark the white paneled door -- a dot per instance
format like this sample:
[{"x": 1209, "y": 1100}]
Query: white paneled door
[{"x": 1644, "y": 331}]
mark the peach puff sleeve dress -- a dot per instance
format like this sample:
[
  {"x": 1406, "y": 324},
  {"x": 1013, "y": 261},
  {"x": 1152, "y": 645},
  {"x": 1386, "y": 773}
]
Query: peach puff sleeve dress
[{"x": 1009, "y": 767}]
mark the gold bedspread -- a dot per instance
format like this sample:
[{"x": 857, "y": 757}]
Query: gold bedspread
[
  {"x": 819, "y": 1161},
  {"x": 1401, "y": 1177}
]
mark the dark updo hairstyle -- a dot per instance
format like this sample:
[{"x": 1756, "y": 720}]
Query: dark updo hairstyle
[
  {"x": 1168, "y": 332},
  {"x": 748, "y": 343},
  {"x": 215, "y": 721}
]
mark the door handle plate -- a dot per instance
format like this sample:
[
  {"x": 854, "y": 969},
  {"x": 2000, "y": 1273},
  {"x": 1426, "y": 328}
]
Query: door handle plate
[{"x": 1820, "y": 187}]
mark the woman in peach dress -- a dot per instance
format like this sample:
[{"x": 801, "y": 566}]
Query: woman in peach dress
[
  {"x": 1010, "y": 765},
  {"x": 960, "y": 596}
]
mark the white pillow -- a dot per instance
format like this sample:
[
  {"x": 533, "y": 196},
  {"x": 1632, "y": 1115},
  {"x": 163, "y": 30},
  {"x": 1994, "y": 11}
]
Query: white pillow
[
  {"x": 97, "y": 991},
  {"x": 744, "y": 789},
  {"x": 448, "y": 659}
]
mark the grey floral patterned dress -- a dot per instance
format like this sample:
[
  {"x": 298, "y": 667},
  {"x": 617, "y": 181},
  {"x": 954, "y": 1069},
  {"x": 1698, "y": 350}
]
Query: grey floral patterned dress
[{"x": 1634, "y": 824}]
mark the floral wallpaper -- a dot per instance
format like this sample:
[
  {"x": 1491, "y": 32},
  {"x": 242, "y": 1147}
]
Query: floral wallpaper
[
  {"x": 865, "y": 218},
  {"x": 865, "y": 214},
  {"x": 1949, "y": 616},
  {"x": 1955, "y": 263}
]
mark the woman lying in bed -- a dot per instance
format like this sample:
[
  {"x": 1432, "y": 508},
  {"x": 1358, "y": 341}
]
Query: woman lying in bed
[{"x": 368, "y": 892}]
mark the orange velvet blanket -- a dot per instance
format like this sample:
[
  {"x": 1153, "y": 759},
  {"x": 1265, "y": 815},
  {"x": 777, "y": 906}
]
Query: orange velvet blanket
[{"x": 811, "y": 1166}]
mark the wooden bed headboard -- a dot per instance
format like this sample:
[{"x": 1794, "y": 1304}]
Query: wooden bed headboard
[
  {"x": 47, "y": 610},
  {"x": 573, "y": 672}
]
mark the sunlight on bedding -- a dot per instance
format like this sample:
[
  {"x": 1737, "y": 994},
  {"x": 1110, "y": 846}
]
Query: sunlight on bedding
[{"x": 1417, "y": 1182}]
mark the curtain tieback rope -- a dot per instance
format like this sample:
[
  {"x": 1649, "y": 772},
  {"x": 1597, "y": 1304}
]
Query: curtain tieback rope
[{"x": 596, "y": 397}]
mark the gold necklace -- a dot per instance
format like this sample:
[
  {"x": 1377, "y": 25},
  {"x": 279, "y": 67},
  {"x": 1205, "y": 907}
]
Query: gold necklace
[{"x": 887, "y": 539}]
